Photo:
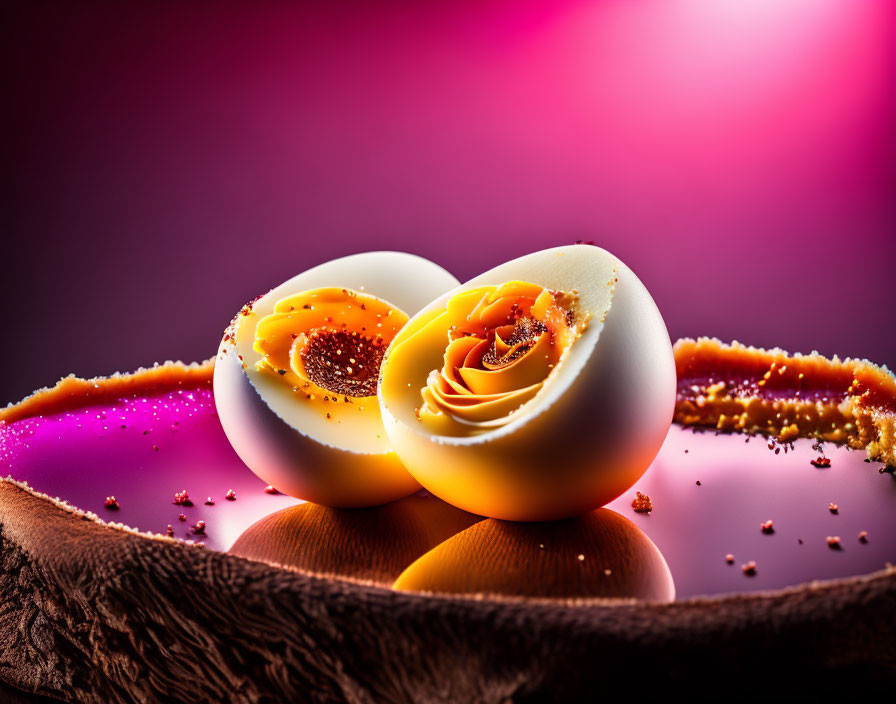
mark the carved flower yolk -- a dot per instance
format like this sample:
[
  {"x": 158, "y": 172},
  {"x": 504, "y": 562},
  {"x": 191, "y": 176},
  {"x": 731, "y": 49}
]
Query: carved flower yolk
[
  {"x": 503, "y": 342},
  {"x": 327, "y": 342}
]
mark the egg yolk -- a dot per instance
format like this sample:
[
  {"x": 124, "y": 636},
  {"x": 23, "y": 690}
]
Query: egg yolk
[
  {"x": 503, "y": 343},
  {"x": 327, "y": 342}
]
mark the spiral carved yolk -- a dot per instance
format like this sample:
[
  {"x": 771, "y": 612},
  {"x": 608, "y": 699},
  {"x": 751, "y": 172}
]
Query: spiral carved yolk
[
  {"x": 327, "y": 342},
  {"x": 503, "y": 342}
]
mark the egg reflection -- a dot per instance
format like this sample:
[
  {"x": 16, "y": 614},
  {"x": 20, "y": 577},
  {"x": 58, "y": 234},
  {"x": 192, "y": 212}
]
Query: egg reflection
[
  {"x": 371, "y": 544},
  {"x": 598, "y": 555}
]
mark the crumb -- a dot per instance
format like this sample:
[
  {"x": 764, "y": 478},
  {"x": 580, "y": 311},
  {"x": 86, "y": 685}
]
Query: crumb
[
  {"x": 182, "y": 498},
  {"x": 199, "y": 527},
  {"x": 729, "y": 558},
  {"x": 269, "y": 489},
  {"x": 155, "y": 448},
  {"x": 642, "y": 503},
  {"x": 698, "y": 483},
  {"x": 767, "y": 527},
  {"x": 230, "y": 495},
  {"x": 581, "y": 558},
  {"x": 170, "y": 532},
  {"x": 799, "y": 540},
  {"x": 182, "y": 518},
  {"x": 749, "y": 569},
  {"x": 608, "y": 572},
  {"x": 863, "y": 536},
  {"x": 821, "y": 462},
  {"x": 209, "y": 502},
  {"x": 111, "y": 503},
  {"x": 833, "y": 508},
  {"x": 834, "y": 542}
]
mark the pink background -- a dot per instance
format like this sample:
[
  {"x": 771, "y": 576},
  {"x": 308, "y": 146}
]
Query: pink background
[{"x": 165, "y": 164}]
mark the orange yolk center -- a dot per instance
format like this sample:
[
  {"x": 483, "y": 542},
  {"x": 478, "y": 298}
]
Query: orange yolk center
[
  {"x": 328, "y": 341},
  {"x": 503, "y": 343}
]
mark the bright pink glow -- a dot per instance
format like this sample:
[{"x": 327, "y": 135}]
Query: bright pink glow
[
  {"x": 737, "y": 154},
  {"x": 88, "y": 454}
]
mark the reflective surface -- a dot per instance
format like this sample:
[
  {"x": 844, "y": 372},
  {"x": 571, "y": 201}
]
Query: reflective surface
[{"x": 83, "y": 456}]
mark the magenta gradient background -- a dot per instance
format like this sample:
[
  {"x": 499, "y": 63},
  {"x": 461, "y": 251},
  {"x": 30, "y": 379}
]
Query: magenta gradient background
[{"x": 165, "y": 164}]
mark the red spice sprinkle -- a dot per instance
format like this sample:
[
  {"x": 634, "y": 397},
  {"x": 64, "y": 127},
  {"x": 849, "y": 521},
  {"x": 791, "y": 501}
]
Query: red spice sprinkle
[
  {"x": 834, "y": 542},
  {"x": 749, "y": 569},
  {"x": 209, "y": 502},
  {"x": 833, "y": 508},
  {"x": 230, "y": 495},
  {"x": 729, "y": 558},
  {"x": 767, "y": 527},
  {"x": 642, "y": 503},
  {"x": 863, "y": 536},
  {"x": 111, "y": 503},
  {"x": 182, "y": 518},
  {"x": 182, "y": 498},
  {"x": 821, "y": 462},
  {"x": 170, "y": 532},
  {"x": 269, "y": 489},
  {"x": 199, "y": 527}
]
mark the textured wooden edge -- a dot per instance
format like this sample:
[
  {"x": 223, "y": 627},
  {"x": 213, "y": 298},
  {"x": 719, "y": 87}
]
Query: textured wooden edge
[{"x": 96, "y": 612}]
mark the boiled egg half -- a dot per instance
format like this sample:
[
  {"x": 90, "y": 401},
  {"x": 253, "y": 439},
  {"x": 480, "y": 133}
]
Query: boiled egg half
[
  {"x": 297, "y": 372},
  {"x": 540, "y": 390}
]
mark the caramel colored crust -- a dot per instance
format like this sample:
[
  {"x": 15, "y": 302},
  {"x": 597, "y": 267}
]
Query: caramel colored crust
[
  {"x": 745, "y": 389},
  {"x": 73, "y": 392}
]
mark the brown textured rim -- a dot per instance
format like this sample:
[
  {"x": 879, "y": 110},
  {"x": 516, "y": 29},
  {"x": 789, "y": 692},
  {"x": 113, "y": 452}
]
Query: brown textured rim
[{"x": 99, "y": 612}]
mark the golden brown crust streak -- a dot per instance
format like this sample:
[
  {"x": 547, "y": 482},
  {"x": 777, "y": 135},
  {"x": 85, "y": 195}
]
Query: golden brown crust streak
[
  {"x": 746, "y": 389},
  {"x": 73, "y": 392}
]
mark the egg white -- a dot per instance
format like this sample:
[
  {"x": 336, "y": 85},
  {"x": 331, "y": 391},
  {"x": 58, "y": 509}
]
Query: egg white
[
  {"x": 290, "y": 443},
  {"x": 594, "y": 427}
]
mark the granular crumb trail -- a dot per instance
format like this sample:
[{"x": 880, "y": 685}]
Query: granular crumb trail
[{"x": 642, "y": 503}]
